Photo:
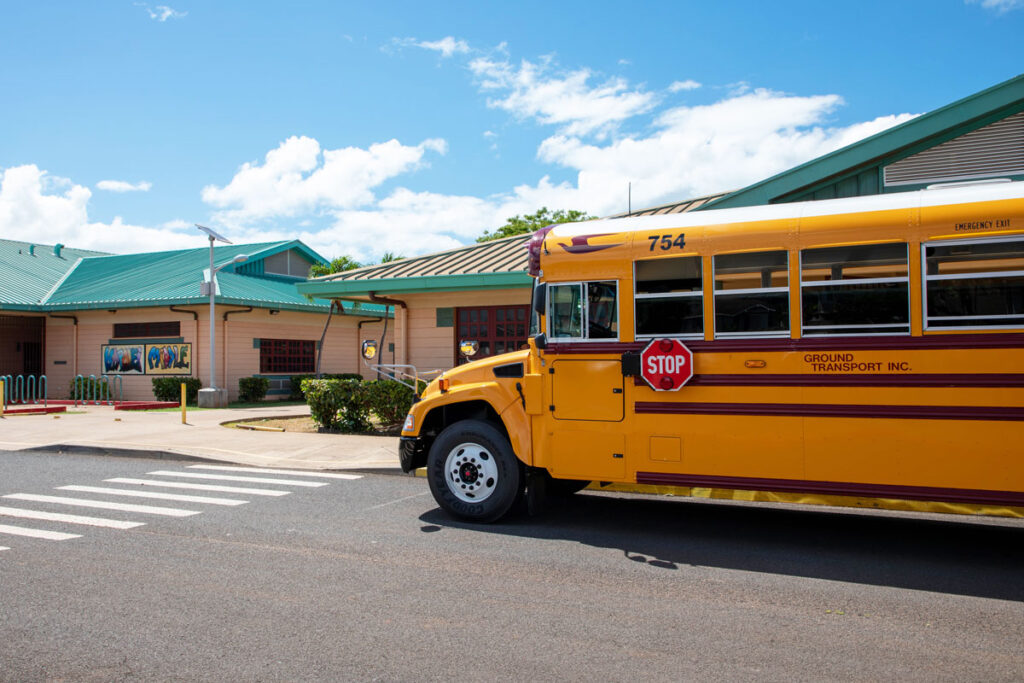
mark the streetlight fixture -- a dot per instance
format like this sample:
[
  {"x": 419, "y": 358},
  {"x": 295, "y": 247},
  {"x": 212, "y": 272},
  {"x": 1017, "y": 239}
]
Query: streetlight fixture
[{"x": 211, "y": 396}]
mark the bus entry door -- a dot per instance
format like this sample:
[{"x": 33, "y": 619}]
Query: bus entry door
[{"x": 587, "y": 404}]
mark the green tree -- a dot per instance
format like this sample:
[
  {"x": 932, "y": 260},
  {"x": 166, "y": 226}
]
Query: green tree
[
  {"x": 390, "y": 256},
  {"x": 518, "y": 225},
  {"x": 338, "y": 265}
]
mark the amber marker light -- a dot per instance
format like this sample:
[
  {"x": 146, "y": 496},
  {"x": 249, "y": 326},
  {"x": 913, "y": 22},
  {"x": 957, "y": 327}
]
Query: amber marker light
[
  {"x": 443, "y": 384},
  {"x": 755, "y": 363}
]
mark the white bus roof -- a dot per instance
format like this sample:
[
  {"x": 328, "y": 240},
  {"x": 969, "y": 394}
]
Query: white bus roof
[{"x": 940, "y": 196}]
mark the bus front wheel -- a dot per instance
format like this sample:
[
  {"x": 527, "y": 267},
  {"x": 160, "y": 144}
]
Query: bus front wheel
[{"x": 472, "y": 471}]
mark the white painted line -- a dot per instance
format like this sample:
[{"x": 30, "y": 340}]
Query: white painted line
[
  {"x": 399, "y": 500},
  {"x": 4, "y": 548},
  {"x": 265, "y": 470},
  {"x": 197, "y": 487},
  {"x": 36, "y": 533},
  {"x": 70, "y": 519},
  {"x": 124, "y": 507},
  {"x": 225, "y": 477},
  {"x": 151, "y": 494}
]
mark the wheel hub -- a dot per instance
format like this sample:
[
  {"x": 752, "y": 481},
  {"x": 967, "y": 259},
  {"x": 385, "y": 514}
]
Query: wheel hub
[{"x": 471, "y": 472}]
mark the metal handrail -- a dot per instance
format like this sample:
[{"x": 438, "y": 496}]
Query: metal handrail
[{"x": 399, "y": 372}]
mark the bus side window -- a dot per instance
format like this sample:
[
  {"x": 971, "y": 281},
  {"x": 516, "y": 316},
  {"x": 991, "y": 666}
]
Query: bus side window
[
  {"x": 669, "y": 297},
  {"x": 855, "y": 290},
  {"x": 752, "y": 294},
  {"x": 602, "y": 311},
  {"x": 974, "y": 283},
  {"x": 583, "y": 310}
]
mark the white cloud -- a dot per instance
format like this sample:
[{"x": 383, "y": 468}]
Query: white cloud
[
  {"x": 695, "y": 151},
  {"x": 37, "y": 207},
  {"x": 564, "y": 99},
  {"x": 1000, "y": 6},
  {"x": 161, "y": 13},
  {"x": 447, "y": 46},
  {"x": 297, "y": 178},
  {"x": 124, "y": 186},
  {"x": 679, "y": 86}
]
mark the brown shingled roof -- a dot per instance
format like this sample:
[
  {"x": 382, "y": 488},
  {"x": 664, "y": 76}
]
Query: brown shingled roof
[
  {"x": 506, "y": 255},
  {"x": 676, "y": 207}
]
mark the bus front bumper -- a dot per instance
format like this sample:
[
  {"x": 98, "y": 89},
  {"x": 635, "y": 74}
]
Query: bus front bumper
[{"x": 412, "y": 453}]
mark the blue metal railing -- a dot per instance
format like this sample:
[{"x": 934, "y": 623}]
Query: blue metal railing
[
  {"x": 24, "y": 389},
  {"x": 98, "y": 390}
]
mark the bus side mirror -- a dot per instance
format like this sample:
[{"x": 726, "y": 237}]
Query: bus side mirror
[
  {"x": 540, "y": 295},
  {"x": 540, "y": 341},
  {"x": 469, "y": 348},
  {"x": 369, "y": 349}
]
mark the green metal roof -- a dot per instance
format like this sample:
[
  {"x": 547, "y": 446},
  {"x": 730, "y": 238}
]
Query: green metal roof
[
  {"x": 854, "y": 169},
  {"x": 28, "y": 271},
  {"x": 92, "y": 280}
]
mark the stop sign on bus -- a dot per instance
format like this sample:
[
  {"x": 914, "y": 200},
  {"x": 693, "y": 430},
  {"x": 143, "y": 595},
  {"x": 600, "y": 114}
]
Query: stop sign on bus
[{"x": 666, "y": 364}]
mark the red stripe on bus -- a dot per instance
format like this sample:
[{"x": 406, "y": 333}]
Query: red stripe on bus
[
  {"x": 930, "y": 342},
  {"x": 1014, "y": 498},
  {"x": 991, "y": 380},
  {"x": 999, "y": 413}
]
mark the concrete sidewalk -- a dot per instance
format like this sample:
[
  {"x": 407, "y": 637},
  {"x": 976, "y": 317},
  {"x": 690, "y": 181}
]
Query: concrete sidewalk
[{"x": 101, "y": 429}]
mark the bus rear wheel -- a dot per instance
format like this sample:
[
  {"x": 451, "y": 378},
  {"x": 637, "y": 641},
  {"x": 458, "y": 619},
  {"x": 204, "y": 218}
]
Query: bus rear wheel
[{"x": 472, "y": 471}]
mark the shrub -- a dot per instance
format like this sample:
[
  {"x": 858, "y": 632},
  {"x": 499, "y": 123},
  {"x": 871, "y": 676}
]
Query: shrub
[
  {"x": 296, "y": 383},
  {"x": 169, "y": 389},
  {"x": 337, "y": 404},
  {"x": 89, "y": 389},
  {"x": 252, "y": 389},
  {"x": 389, "y": 400}
]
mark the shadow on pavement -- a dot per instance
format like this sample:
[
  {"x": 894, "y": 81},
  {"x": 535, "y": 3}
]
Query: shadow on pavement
[{"x": 958, "y": 556}]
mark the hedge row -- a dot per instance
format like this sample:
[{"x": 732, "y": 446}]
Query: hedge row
[
  {"x": 348, "y": 404},
  {"x": 169, "y": 389},
  {"x": 297, "y": 393}
]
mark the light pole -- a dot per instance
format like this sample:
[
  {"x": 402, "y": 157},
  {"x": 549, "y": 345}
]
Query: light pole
[{"x": 211, "y": 396}]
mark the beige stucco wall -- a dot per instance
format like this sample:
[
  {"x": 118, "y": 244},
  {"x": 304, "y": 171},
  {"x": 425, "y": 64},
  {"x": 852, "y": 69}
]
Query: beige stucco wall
[
  {"x": 431, "y": 347},
  {"x": 96, "y": 328}
]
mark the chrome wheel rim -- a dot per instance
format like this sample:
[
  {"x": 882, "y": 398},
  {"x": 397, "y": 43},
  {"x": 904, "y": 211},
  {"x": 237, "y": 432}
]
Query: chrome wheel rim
[{"x": 471, "y": 472}]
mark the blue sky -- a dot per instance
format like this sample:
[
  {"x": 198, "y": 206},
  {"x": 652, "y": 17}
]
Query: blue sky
[{"x": 411, "y": 127}]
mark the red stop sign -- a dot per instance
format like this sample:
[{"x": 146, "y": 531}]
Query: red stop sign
[{"x": 666, "y": 364}]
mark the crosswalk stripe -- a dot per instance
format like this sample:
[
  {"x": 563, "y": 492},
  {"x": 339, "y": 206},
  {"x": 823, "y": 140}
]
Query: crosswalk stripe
[
  {"x": 125, "y": 507},
  {"x": 36, "y": 533},
  {"x": 197, "y": 487},
  {"x": 225, "y": 477},
  {"x": 264, "y": 470},
  {"x": 151, "y": 494},
  {"x": 70, "y": 519}
]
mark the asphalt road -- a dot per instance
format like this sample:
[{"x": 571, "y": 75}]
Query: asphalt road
[{"x": 366, "y": 579}]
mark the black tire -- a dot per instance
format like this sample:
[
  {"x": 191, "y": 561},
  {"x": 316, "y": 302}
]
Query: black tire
[
  {"x": 566, "y": 487},
  {"x": 472, "y": 471}
]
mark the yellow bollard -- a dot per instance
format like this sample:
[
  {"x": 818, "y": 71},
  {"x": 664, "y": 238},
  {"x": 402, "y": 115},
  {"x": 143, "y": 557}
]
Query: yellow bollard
[
  {"x": 183, "y": 403},
  {"x": 3, "y": 401}
]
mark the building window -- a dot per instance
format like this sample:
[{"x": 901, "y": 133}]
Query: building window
[
  {"x": 974, "y": 284},
  {"x": 293, "y": 356},
  {"x": 583, "y": 310},
  {"x": 498, "y": 329},
  {"x": 752, "y": 294},
  {"x": 862, "y": 289},
  {"x": 670, "y": 297},
  {"x": 135, "y": 330}
]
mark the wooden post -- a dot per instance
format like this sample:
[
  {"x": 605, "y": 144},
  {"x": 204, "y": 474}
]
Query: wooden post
[{"x": 183, "y": 395}]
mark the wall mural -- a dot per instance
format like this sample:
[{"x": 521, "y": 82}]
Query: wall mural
[{"x": 147, "y": 359}]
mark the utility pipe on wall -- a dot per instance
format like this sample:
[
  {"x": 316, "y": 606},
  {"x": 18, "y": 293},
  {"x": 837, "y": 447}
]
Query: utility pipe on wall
[
  {"x": 247, "y": 309},
  {"x": 405, "y": 321}
]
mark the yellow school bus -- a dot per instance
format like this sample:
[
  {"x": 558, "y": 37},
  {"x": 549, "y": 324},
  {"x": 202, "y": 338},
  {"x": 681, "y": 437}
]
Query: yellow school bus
[{"x": 862, "y": 351}]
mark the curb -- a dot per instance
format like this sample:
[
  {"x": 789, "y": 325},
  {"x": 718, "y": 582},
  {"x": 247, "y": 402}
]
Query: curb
[{"x": 71, "y": 449}]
